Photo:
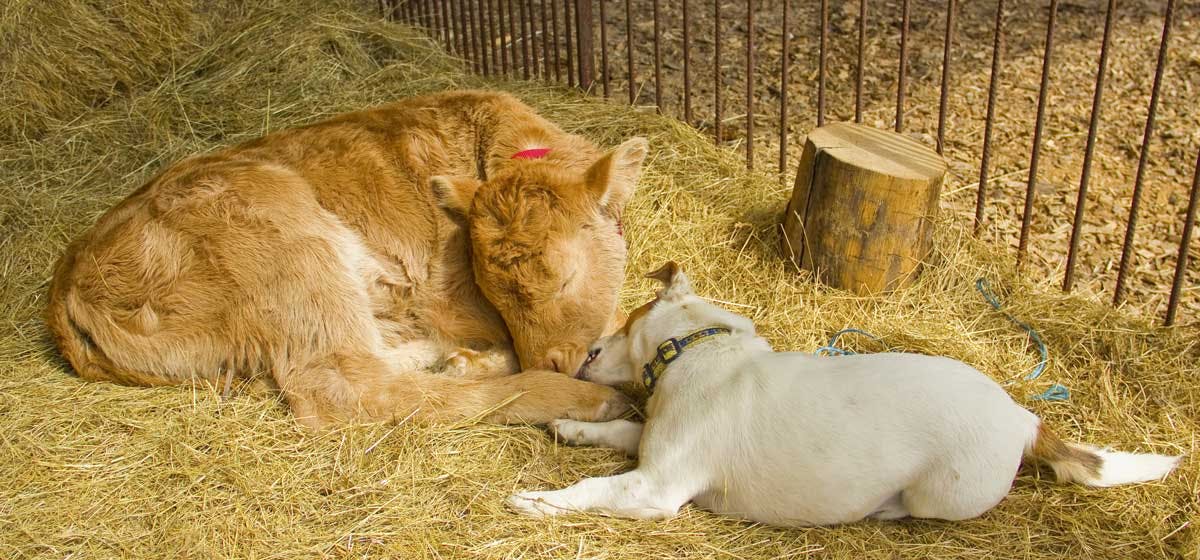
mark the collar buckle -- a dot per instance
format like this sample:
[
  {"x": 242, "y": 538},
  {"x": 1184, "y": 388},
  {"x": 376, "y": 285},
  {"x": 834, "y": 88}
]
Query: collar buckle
[{"x": 670, "y": 350}]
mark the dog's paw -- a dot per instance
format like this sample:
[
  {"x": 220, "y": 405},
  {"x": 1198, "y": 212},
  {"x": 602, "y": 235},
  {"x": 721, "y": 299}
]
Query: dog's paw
[
  {"x": 612, "y": 408},
  {"x": 567, "y": 430},
  {"x": 532, "y": 504}
]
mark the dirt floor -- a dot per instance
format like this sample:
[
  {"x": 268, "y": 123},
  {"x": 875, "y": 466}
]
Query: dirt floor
[{"x": 1134, "y": 47}]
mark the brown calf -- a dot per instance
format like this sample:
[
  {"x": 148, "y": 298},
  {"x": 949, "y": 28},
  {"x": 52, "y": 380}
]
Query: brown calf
[{"x": 349, "y": 260}]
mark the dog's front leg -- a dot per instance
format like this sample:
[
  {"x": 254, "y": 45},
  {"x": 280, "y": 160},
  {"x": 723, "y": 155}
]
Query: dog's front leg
[
  {"x": 633, "y": 495},
  {"x": 622, "y": 435}
]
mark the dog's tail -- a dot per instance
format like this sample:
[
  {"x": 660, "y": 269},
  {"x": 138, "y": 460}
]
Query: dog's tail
[{"x": 1091, "y": 466}]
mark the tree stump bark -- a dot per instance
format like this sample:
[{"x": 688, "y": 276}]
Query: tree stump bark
[{"x": 862, "y": 209}]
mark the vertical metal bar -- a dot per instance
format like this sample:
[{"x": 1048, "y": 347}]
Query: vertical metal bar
[
  {"x": 524, "y": 40},
  {"x": 903, "y": 85},
  {"x": 513, "y": 35},
  {"x": 544, "y": 73},
  {"x": 460, "y": 35},
  {"x": 783, "y": 91},
  {"x": 687, "y": 69},
  {"x": 945, "y": 101},
  {"x": 716, "y": 70},
  {"x": 858, "y": 73},
  {"x": 997, "y": 48},
  {"x": 1181, "y": 262},
  {"x": 824, "y": 34},
  {"x": 443, "y": 36},
  {"x": 1030, "y": 186},
  {"x": 604, "y": 47},
  {"x": 657, "y": 61},
  {"x": 495, "y": 48},
  {"x": 557, "y": 51},
  {"x": 750, "y": 84},
  {"x": 535, "y": 49},
  {"x": 485, "y": 44},
  {"x": 568, "y": 24},
  {"x": 505, "y": 39},
  {"x": 476, "y": 40},
  {"x": 461, "y": 7},
  {"x": 584, "y": 35},
  {"x": 447, "y": 25},
  {"x": 1081, "y": 200},
  {"x": 1143, "y": 159},
  {"x": 452, "y": 30},
  {"x": 629, "y": 51},
  {"x": 534, "y": 44}
]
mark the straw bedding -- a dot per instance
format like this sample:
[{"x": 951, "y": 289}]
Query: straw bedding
[{"x": 98, "y": 99}]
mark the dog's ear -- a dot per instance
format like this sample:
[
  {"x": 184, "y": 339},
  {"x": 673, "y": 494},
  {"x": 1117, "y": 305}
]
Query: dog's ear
[
  {"x": 454, "y": 194},
  {"x": 675, "y": 282}
]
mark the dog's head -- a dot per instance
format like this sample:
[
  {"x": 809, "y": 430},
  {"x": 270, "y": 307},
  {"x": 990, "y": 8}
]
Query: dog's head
[{"x": 674, "y": 312}]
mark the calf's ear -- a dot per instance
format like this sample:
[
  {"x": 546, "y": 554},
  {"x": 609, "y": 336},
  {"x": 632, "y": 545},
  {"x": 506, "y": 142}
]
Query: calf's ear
[
  {"x": 613, "y": 178},
  {"x": 454, "y": 194}
]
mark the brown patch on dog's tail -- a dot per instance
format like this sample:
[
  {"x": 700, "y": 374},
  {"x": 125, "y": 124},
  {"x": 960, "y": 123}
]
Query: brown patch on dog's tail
[
  {"x": 1090, "y": 466},
  {"x": 1070, "y": 463}
]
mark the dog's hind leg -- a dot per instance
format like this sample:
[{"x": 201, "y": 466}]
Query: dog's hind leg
[
  {"x": 892, "y": 508},
  {"x": 621, "y": 435},
  {"x": 632, "y": 495}
]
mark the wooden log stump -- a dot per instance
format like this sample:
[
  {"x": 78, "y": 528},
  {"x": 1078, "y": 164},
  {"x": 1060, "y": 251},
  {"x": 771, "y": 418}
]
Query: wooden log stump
[{"x": 862, "y": 210}]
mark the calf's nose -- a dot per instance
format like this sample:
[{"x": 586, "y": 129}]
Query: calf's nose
[{"x": 563, "y": 359}]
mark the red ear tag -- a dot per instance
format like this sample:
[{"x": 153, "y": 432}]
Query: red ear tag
[
  {"x": 620, "y": 228},
  {"x": 532, "y": 153}
]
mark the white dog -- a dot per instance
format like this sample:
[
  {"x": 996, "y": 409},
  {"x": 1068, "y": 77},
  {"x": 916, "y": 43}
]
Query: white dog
[{"x": 794, "y": 439}]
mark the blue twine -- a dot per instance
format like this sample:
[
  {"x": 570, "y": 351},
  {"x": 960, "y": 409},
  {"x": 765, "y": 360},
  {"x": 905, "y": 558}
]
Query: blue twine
[
  {"x": 1055, "y": 392},
  {"x": 832, "y": 348}
]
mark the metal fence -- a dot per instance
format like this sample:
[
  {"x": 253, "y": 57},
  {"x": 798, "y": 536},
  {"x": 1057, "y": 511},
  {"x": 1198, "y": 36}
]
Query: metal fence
[{"x": 561, "y": 40}]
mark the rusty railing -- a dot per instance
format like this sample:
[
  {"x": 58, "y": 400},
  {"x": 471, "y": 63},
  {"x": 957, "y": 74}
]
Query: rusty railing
[{"x": 497, "y": 36}]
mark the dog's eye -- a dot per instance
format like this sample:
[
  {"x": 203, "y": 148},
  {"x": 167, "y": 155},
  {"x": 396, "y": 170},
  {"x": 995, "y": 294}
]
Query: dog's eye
[{"x": 592, "y": 356}]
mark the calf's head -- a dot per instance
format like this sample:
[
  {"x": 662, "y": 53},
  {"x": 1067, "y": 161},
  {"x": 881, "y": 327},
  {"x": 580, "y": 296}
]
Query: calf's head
[{"x": 547, "y": 249}]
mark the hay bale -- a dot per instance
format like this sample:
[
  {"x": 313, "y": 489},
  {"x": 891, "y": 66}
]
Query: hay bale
[
  {"x": 68, "y": 57},
  {"x": 97, "y": 470}
]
